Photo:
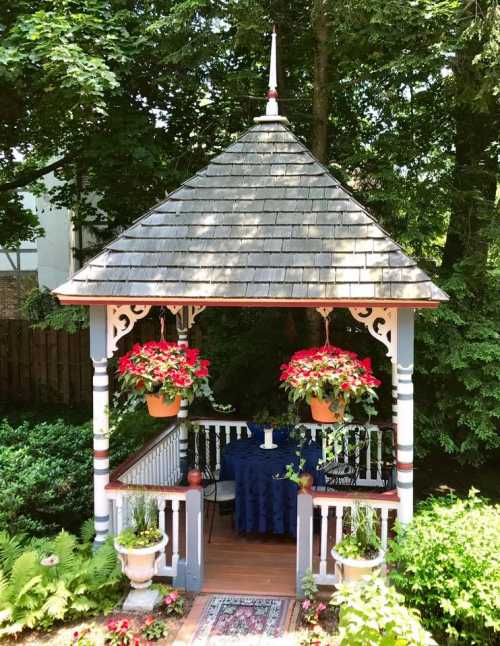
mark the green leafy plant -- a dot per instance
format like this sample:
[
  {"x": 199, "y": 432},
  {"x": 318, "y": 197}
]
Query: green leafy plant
[
  {"x": 83, "y": 637},
  {"x": 447, "y": 565},
  {"x": 362, "y": 542},
  {"x": 120, "y": 632},
  {"x": 49, "y": 580},
  {"x": 173, "y": 603},
  {"x": 154, "y": 629},
  {"x": 372, "y": 612},
  {"x": 311, "y": 607},
  {"x": 144, "y": 531},
  {"x": 46, "y": 470},
  {"x": 288, "y": 419},
  {"x": 43, "y": 310}
]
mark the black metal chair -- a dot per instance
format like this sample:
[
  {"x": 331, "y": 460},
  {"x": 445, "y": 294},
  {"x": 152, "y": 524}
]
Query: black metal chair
[{"x": 339, "y": 476}]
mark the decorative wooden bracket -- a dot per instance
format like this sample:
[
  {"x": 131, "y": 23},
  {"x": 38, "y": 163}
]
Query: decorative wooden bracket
[
  {"x": 120, "y": 321},
  {"x": 381, "y": 323},
  {"x": 192, "y": 310}
]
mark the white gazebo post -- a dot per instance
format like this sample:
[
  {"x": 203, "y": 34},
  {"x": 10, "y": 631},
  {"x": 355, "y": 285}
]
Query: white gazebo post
[
  {"x": 404, "y": 413},
  {"x": 100, "y": 402}
]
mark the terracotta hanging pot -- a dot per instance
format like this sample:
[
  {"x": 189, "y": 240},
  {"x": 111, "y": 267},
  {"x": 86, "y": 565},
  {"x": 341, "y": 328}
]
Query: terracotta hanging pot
[
  {"x": 320, "y": 411},
  {"x": 159, "y": 407}
]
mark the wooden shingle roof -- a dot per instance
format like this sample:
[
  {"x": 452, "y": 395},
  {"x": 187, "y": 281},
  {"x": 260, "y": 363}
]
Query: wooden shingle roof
[{"x": 263, "y": 221}]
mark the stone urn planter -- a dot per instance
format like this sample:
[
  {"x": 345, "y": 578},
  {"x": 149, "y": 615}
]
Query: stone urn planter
[
  {"x": 140, "y": 564},
  {"x": 349, "y": 570}
]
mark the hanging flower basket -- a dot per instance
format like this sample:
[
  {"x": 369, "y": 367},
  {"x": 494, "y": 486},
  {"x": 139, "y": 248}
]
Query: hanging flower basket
[
  {"x": 164, "y": 373},
  {"x": 158, "y": 406},
  {"x": 329, "y": 379}
]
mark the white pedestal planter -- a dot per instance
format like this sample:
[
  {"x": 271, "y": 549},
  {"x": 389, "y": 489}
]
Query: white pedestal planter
[
  {"x": 352, "y": 570},
  {"x": 140, "y": 565}
]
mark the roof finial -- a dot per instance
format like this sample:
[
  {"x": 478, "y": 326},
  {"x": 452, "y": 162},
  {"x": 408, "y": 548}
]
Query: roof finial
[
  {"x": 272, "y": 112},
  {"x": 272, "y": 95}
]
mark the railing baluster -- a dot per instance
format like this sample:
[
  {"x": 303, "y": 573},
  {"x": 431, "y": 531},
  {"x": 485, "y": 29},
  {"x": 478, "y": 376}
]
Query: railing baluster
[
  {"x": 160, "y": 502},
  {"x": 384, "y": 515},
  {"x": 324, "y": 538},
  {"x": 119, "y": 514},
  {"x": 175, "y": 534},
  {"x": 217, "y": 452},
  {"x": 228, "y": 434},
  {"x": 368, "y": 453},
  {"x": 313, "y": 434},
  {"x": 346, "y": 444},
  {"x": 196, "y": 446},
  {"x": 339, "y": 518},
  {"x": 207, "y": 445},
  {"x": 379, "y": 456},
  {"x": 238, "y": 432},
  {"x": 356, "y": 448}
]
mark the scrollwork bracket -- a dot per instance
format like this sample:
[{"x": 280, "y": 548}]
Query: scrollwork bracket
[
  {"x": 381, "y": 323},
  {"x": 121, "y": 320}
]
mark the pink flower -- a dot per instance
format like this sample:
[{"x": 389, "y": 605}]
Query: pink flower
[
  {"x": 321, "y": 607},
  {"x": 306, "y": 604}
]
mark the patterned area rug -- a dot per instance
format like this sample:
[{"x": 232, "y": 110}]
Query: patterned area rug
[{"x": 255, "y": 621}]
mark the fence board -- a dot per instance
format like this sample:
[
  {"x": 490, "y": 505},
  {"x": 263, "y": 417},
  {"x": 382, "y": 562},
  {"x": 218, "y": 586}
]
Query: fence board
[{"x": 48, "y": 366}]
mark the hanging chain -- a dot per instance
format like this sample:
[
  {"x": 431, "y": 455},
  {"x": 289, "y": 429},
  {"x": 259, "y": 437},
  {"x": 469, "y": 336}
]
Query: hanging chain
[
  {"x": 162, "y": 316},
  {"x": 327, "y": 330}
]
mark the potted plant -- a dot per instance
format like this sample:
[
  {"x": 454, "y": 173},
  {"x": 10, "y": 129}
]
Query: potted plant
[
  {"x": 282, "y": 424},
  {"x": 329, "y": 379},
  {"x": 139, "y": 547},
  {"x": 358, "y": 553},
  {"x": 164, "y": 373}
]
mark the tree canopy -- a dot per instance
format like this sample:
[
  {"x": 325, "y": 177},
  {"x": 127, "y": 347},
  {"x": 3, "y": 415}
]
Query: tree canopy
[{"x": 124, "y": 99}]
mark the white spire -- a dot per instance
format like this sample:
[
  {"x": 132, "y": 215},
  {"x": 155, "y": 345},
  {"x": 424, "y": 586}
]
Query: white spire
[
  {"x": 272, "y": 95},
  {"x": 272, "y": 112}
]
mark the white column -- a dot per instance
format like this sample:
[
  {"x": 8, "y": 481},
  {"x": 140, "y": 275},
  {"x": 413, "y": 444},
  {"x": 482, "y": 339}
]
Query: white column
[
  {"x": 404, "y": 418},
  {"x": 100, "y": 402},
  {"x": 182, "y": 324}
]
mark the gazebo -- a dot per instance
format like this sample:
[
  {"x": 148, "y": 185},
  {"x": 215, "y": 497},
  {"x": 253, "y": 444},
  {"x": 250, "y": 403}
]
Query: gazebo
[{"x": 263, "y": 225}]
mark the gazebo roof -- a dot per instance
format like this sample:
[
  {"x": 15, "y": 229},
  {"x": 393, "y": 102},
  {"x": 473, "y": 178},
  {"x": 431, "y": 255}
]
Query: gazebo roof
[{"x": 264, "y": 223}]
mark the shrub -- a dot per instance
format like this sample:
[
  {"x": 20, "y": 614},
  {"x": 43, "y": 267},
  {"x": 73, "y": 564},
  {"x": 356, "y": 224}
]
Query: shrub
[
  {"x": 373, "y": 613},
  {"x": 47, "y": 580},
  {"x": 448, "y": 566},
  {"x": 46, "y": 471}
]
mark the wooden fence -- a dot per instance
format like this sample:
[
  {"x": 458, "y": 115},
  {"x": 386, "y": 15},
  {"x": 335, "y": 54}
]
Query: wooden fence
[{"x": 54, "y": 367}]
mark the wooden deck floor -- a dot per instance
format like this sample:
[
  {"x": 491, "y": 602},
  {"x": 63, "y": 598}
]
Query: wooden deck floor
[{"x": 248, "y": 563}]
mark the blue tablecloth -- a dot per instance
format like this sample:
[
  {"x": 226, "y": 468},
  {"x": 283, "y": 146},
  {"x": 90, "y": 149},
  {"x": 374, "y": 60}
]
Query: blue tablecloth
[{"x": 265, "y": 503}]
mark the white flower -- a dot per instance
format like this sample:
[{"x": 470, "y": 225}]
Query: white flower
[{"x": 50, "y": 561}]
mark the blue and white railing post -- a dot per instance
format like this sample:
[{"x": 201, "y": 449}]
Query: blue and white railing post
[
  {"x": 182, "y": 325},
  {"x": 100, "y": 403},
  {"x": 404, "y": 414}
]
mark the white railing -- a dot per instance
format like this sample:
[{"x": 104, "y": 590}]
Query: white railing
[
  {"x": 333, "y": 507},
  {"x": 158, "y": 463},
  {"x": 366, "y": 447},
  {"x": 168, "y": 501}
]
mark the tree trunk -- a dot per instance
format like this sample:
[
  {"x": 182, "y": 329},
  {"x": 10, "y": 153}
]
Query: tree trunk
[
  {"x": 476, "y": 164},
  {"x": 321, "y": 95}
]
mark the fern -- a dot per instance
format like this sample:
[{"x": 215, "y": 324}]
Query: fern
[
  {"x": 11, "y": 547},
  {"x": 87, "y": 532},
  {"x": 35, "y": 596}
]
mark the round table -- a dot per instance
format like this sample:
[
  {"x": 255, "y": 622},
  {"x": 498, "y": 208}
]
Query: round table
[{"x": 265, "y": 500}]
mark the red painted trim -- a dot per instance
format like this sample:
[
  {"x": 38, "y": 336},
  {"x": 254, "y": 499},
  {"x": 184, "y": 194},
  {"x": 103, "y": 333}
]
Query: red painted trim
[
  {"x": 404, "y": 466},
  {"x": 390, "y": 496},
  {"x": 242, "y": 302},
  {"x": 101, "y": 454}
]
